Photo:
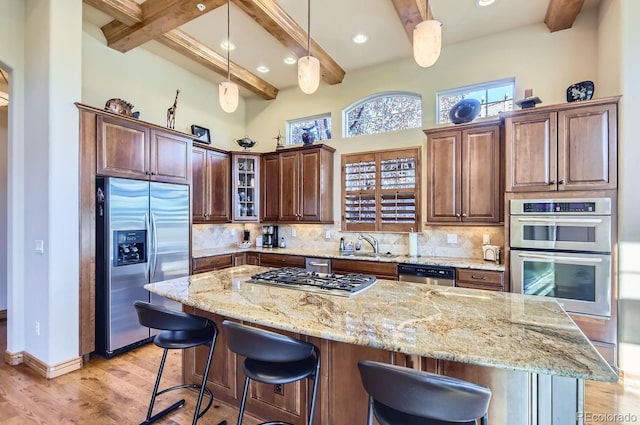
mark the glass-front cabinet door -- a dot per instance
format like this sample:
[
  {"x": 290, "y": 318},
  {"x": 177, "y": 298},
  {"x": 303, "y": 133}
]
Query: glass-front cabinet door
[{"x": 246, "y": 192}]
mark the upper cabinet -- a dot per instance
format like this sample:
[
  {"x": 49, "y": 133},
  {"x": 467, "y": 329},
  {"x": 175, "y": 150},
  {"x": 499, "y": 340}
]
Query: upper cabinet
[
  {"x": 246, "y": 184},
  {"x": 463, "y": 174},
  {"x": 563, "y": 147},
  {"x": 304, "y": 191},
  {"x": 381, "y": 191},
  {"x": 211, "y": 186},
  {"x": 135, "y": 150}
]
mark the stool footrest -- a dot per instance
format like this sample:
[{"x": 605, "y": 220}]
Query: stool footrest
[{"x": 174, "y": 406}]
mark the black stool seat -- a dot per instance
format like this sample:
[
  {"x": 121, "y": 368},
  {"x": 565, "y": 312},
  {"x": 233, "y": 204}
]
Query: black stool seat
[
  {"x": 179, "y": 330},
  {"x": 403, "y": 396},
  {"x": 273, "y": 358}
]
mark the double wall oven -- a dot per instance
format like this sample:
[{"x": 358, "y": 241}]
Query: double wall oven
[{"x": 561, "y": 248}]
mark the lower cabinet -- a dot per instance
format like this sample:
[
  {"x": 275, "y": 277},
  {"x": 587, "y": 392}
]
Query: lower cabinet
[
  {"x": 214, "y": 262},
  {"x": 480, "y": 279},
  {"x": 282, "y": 260},
  {"x": 380, "y": 270}
]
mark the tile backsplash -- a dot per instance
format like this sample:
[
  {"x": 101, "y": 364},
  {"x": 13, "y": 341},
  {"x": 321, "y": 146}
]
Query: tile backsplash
[{"x": 432, "y": 241}]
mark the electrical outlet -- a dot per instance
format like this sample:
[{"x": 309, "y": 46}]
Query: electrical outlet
[
  {"x": 452, "y": 238},
  {"x": 486, "y": 239},
  {"x": 233, "y": 232},
  {"x": 37, "y": 328},
  {"x": 327, "y": 234},
  {"x": 293, "y": 233},
  {"x": 40, "y": 246}
]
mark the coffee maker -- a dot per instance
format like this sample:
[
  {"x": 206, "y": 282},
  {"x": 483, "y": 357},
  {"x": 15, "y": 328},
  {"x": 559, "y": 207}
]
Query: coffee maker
[{"x": 270, "y": 236}]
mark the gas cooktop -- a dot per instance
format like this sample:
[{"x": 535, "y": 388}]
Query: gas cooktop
[{"x": 325, "y": 283}]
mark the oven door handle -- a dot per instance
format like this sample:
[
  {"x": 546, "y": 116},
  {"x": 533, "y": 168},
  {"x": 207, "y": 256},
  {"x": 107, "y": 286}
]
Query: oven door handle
[
  {"x": 561, "y": 258},
  {"x": 560, "y": 220}
]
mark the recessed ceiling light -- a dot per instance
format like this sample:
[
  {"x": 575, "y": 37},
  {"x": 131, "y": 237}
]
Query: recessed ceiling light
[
  {"x": 290, "y": 60},
  {"x": 485, "y": 2},
  {"x": 360, "y": 38},
  {"x": 201, "y": 7},
  {"x": 227, "y": 45},
  {"x": 263, "y": 69}
]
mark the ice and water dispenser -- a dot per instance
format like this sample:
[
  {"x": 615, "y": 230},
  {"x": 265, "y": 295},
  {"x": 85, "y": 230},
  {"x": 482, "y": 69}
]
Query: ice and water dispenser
[{"x": 130, "y": 247}]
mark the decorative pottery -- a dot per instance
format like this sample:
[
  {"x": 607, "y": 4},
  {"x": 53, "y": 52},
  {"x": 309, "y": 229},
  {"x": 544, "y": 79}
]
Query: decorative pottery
[
  {"x": 464, "y": 111},
  {"x": 245, "y": 143},
  {"x": 580, "y": 91}
]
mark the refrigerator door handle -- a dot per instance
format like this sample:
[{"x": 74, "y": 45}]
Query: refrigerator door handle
[
  {"x": 147, "y": 226},
  {"x": 155, "y": 245}
]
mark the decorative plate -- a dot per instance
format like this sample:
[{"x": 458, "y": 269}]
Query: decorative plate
[
  {"x": 580, "y": 91},
  {"x": 464, "y": 111}
]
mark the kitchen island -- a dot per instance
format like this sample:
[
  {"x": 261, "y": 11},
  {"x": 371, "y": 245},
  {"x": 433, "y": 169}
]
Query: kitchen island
[{"x": 526, "y": 349}]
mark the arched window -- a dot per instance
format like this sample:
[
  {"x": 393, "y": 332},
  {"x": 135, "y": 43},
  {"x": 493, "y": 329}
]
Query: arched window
[{"x": 381, "y": 113}]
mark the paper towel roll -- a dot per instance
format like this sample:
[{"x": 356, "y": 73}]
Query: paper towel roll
[{"x": 413, "y": 244}]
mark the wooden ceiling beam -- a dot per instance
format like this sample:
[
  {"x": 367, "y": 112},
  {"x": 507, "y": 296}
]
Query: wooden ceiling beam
[
  {"x": 158, "y": 17},
  {"x": 283, "y": 28},
  {"x": 126, "y": 11},
  {"x": 411, "y": 13},
  {"x": 561, "y": 14},
  {"x": 190, "y": 47},
  {"x": 193, "y": 49}
]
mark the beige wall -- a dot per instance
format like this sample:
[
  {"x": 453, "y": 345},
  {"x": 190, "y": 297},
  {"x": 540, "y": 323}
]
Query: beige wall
[
  {"x": 4, "y": 144},
  {"x": 150, "y": 83}
]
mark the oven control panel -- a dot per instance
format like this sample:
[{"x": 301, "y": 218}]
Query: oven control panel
[{"x": 543, "y": 207}]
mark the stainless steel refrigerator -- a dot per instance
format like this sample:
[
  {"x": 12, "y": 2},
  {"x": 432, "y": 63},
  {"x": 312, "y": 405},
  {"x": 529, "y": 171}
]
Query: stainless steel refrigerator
[{"x": 142, "y": 236}]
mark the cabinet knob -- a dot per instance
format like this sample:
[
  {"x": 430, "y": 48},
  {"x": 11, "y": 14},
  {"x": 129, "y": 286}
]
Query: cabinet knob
[
  {"x": 464, "y": 215},
  {"x": 457, "y": 215},
  {"x": 561, "y": 182},
  {"x": 473, "y": 276},
  {"x": 552, "y": 182}
]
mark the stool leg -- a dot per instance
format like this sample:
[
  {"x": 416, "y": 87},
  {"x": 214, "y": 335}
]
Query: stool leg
[
  {"x": 244, "y": 399},
  {"x": 196, "y": 414},
  {"x": 316, "y": 379},
  {"x": 370, "y": 414}
]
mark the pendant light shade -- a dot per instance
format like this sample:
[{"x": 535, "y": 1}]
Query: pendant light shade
[
  {"x": 308, "y": 74},
  {"x": 308, "y": 66},
  {"x": 228, "y": 96},
  {"x": 427, "y": 42}
]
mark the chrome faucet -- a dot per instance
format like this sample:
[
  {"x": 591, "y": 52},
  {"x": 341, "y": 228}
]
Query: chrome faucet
[{"x": 372, "y": 241}]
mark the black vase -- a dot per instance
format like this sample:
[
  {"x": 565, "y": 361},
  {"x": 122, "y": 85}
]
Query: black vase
[{"x": 307, "y": 137}]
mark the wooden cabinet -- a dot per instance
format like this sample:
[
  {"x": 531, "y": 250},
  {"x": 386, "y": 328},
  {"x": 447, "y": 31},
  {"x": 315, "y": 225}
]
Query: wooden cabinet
[
  {"x": 210, "y": 187},
  {"x": 270, "y": 187},
  {"x": 134, "y": 150},
  {"x": 298, "y": 185},
  {"x": 250, "y": 258},
  {"x": 381, "y": 191},
  {"x": 480, "y": 279},
  {"x": 246, "y": 187},
  {"x": 268, "y": 259},
  {"x": 214, "y": 262},
  {"x": 380, "y": 270},
  {"x": 306, "y": 185},
  {"x": 464, "y": 177},
  {"x": 566, "y": 147}
]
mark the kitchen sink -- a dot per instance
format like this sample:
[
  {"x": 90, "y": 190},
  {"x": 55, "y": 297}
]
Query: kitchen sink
[{"x": 368, "y": 254}]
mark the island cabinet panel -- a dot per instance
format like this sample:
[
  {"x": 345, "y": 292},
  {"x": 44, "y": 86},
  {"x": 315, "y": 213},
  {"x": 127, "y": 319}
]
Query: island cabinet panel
[
  {"x": 270, "y": 187},
  {"x": 215, "y": 262},
  {"x": 223, "y": 380},
  {"x": 464, "y": 177},
  {"x": 569, "y": 147},
  {"x": 480, "y": 279},
  {"x": 379, "y": 269},
  {"x": 134, "y": 150},
  {"x": 211, "y": 185},
  {"x": 281, "y": 260}
]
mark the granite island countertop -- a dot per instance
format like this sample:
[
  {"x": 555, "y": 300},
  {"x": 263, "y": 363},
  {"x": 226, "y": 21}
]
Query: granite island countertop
[
  {"x": 496, "y": 329},
  {"x": 419, "y": 260}
]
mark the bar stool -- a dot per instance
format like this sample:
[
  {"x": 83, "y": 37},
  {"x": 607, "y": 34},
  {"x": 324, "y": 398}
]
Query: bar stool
[
  {"x": 399, "y": 395},
  {"x": 272, "y": 358},
  {"x": 178, "y": 331}
]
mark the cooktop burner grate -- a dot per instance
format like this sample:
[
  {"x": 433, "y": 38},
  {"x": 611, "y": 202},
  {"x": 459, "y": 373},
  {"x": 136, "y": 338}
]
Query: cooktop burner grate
[{"x": 297, "y": 278}]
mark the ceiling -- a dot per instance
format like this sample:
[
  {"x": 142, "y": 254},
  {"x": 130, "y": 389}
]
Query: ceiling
[{"x": 265, "y": 32}]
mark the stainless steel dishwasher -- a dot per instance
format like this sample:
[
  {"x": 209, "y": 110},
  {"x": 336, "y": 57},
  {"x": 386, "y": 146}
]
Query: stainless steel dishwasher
[
  {"x": 433, "y": 275},
  {"x": 319, "y": 265}
]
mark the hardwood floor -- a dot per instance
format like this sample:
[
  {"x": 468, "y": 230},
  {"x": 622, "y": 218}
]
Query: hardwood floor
[{"x": 117, "y": 391}]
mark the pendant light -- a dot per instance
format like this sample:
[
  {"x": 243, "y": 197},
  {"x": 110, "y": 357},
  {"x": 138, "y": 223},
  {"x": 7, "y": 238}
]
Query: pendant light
[
  {"x": 228, "y": 91},
  {"x": 427, "y": 41},
  {"x": 308, "y": 66}
]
